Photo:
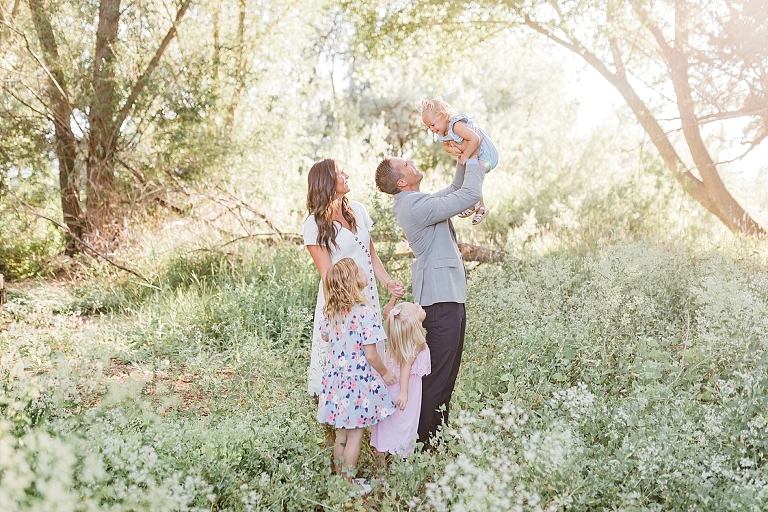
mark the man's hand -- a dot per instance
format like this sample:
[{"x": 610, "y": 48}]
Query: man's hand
[{"x": 452, "y": 149}]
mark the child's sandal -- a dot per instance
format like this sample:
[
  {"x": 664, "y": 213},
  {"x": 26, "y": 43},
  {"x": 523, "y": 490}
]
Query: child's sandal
[
  {"x": 480, "y": 214},
  {"x": 359, "y": 488},
  {"x": 469, "y": 211}
]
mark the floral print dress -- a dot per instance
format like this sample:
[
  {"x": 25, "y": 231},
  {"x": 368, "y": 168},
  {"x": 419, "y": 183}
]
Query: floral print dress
[{"x": 353, "y": 394}]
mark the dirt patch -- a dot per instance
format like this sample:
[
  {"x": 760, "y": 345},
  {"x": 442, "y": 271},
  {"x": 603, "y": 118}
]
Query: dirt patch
[{"x": 174, "y": 389}]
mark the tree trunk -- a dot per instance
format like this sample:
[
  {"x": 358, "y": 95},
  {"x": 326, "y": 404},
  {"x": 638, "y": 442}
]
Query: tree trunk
[
  {"x": 216, "y": 43},
  {"x": 105, "y": 119},
  {"x": 731, "y": 212},
  {"x": 710, "y": 192},
  {"x": 241, "y": 68},
  {"x": 102, "y": 142},
  {"x": 61, "y": 111},
  {"x": 3, "y": 296}
]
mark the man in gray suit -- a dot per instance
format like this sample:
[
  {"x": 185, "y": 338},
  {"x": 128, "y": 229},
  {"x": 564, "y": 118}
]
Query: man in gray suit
[{"x": 439, "y": 277}]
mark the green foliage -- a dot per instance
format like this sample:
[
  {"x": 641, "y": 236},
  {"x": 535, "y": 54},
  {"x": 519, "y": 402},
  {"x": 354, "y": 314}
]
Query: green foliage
[
  {"x": 633, "y": 377},
  {"x": 627, "y": 357},
  {"x": 601, "y": 371},
  {"x": 27, "y": 243}
]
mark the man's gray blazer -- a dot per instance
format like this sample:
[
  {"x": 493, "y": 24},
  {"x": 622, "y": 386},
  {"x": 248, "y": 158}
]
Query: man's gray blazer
[{"x": 438, "y": 272}]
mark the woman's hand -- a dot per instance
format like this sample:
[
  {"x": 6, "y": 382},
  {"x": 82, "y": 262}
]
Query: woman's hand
[
  {"x": 402, "y": 400},
  {"x": 396, "y": 288}
]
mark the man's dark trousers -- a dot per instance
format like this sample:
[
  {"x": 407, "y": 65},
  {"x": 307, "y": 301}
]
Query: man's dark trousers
[{"x": 445, "y": 324}]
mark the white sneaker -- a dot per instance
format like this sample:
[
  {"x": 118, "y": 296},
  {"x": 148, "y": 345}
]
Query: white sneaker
[{"x": 360, "y": 488}]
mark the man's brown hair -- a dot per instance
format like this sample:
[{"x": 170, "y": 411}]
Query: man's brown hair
[{"x": 387, "y": 177}]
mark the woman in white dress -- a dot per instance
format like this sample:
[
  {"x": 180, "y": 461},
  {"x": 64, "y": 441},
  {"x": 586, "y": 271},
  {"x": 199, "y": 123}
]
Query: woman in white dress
[{"x": 338, "y": 228}]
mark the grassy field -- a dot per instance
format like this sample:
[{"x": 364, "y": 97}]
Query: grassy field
[{"x": 632, "y": 377}]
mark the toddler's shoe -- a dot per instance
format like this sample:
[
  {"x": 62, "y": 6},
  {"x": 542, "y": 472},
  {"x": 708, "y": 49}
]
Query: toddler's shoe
[
  {"x": 470, "y": 211},
  {"x": 359, "y": 487},
  {"x": 480, "y": 214}
]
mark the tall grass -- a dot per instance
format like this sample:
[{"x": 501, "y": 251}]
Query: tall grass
[{"x": 632, "y": 377}]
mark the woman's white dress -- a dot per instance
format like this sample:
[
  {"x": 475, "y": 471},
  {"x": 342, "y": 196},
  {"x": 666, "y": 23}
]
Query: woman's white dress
[{"x": 351, "y": 245}]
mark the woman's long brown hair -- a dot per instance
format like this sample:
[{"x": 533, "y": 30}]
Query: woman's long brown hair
[{"x": 320, "y": 195}]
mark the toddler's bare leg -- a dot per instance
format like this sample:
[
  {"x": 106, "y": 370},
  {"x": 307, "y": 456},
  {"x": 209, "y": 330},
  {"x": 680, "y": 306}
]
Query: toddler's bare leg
[
  {"x": 354, "y": 440},
  {"x": 338, "y": 450}
]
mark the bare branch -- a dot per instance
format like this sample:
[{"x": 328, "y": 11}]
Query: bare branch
[
  {"x": 155, "y": 189},
  {"x": 30, "y": 107},
  {"x": 80, "y": 241},
  {"x": 142, "y": 81},
  {"x": 733, "y": 114},
  {"x": 666, "y": 49},
  {"x": 47, "y": 71},
  {"x": 751, "y": 147},
  {"x": 253, "y": 210}
]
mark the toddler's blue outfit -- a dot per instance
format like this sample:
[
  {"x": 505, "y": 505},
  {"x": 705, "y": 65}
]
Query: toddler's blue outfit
[{"x": 487, "y": 153}]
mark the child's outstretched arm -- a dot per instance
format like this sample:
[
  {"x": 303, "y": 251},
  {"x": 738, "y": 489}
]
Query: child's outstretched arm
[
  {"x": 389, "y": 306},
  {"x": 472, "y": 139},
  {"x": 405, "y": 376},
  {"x": 372, "y": 355}
]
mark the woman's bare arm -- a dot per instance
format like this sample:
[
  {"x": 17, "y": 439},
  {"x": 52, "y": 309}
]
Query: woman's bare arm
[
  {"x": 393, "y": 286},
  {"x": 322, "y": 258}
]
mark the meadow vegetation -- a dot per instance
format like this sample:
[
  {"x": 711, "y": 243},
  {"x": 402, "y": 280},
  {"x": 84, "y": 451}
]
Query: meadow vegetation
[
  {"x": 615, "y": 359},
  {"x": 629, "y": 375}
]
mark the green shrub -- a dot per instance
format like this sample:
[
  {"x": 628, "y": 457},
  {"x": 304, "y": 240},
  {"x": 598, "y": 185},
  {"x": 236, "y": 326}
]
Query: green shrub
[
  {"x": 631, "y": 378},
  {"x": 27, "y": 244},
  {"x": 635, "y": 352}
]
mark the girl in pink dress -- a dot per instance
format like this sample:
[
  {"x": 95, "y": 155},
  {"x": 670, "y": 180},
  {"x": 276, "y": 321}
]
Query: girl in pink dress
[
  {"x": 409, "y": 359},
  {"x": 354, "y": 393}
]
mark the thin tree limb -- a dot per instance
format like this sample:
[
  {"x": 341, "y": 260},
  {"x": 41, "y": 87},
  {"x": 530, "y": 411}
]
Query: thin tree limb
[
  {"x": 47, "y": 72},
  {"x": 140, "y": 177},
  {"x": 79, "y": 240},
  {"x": 751, "y": 147},
  {"x": 142, "y": 81}
]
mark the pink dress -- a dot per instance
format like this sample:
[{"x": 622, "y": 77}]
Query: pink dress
[{"x": 397, "y": 433}]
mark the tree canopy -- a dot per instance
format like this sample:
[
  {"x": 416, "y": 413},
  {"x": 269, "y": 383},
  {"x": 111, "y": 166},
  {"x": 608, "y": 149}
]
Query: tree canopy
[
  {"x": 115, "y": 108},
  {"x": 681, "y": 66}
]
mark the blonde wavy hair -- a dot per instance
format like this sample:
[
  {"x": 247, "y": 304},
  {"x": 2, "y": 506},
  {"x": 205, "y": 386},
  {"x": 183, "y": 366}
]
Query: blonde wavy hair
[
  {"x": 439, "y": 107},
  {"x": 343, "y": 288},
  {"x": 405, "y": 334}
]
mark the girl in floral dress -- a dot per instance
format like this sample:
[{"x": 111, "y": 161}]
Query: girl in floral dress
[
  {"x": 354, "y": 393},
  {"x": 409, "y": 356}
]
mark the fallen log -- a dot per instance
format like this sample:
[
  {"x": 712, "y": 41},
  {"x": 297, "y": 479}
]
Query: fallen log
[{"x": 479, "y": 253}]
